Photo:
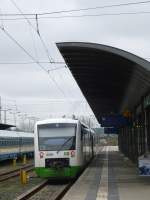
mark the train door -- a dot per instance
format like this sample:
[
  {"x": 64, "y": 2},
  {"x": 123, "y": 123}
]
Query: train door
[
  {"x": 92, "y": 144},
  {"x": 148, "y": 127},
  {"x": 83, "y": 144}
]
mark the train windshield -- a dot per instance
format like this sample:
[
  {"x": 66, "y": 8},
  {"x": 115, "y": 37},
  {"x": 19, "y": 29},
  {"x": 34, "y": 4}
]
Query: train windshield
[{"x": 56, "y": 137}]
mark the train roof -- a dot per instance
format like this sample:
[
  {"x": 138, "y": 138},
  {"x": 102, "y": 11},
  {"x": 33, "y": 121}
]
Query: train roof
[
  {"x": 5, "y": 126},
  {"x": 58, "y": 120},
  {"x": 64, "y": 120},
  {"x": 4, "y": 133}
]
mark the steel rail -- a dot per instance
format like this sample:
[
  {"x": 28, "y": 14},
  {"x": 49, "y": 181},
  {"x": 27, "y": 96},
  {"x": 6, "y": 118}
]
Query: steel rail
[
  {"x": 11, "y": 171},
  {"x": 11, "y": 174}
]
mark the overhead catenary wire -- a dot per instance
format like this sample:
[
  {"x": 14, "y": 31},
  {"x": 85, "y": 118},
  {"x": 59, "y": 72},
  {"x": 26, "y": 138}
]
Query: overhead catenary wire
[
  {"x": 26, "y": 63},
  {"x": 97, "y": 7},
  {"x": 82, "y": 16},
  {"x": 23, "y": 63},
  {"x": 32, "y": 57},
  {"x": 2, "y": 23},
  {"x": 36, "y": 30},
  {"x": 63, "y": 80},
  {"x": 77, "y": 10},
  {"x": 33, "y": 43},
  {"x": 97, "y": 15},
  {"x": 57, "y": 68},
  {"x": 23, "y": 49},
  {"x": 53, "y": 100},
  {"x": 43, "y": 43},
  {"x": 85, "y": 16}
]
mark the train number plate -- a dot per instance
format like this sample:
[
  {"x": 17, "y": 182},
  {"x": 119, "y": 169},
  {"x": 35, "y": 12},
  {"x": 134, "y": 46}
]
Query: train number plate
[{"x": 49, "y": 154}]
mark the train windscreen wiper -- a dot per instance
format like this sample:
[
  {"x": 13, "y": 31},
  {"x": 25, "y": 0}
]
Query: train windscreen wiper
[{"x": 64, "y": 144}]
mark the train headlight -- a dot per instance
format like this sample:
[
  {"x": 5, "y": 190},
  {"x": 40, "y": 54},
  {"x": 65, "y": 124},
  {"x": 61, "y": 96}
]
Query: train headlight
[
  {"x": 41, "y": 154},
  {"x": 66, "y": 153},
  {"x": 72, "y": 153}
]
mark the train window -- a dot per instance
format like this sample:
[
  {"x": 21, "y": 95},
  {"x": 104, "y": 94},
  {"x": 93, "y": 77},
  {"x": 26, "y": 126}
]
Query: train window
[
  {"x": 10, "y": 141},
  {"x": 26, "y": 141},
  {"x": 17, "y": 141},
  {"x": 82, "y": 133},
  {"x": 55, "y": 137},
  {"x": 2, "y": 141}
]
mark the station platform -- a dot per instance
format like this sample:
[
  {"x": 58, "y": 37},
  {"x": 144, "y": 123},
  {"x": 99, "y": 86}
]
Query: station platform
[{"x": 110, "y": 176}]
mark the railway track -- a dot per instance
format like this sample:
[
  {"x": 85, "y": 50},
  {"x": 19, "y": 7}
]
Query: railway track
[
  {"x": 45, "y": 191},
  {"x": 13, "y": 173}
]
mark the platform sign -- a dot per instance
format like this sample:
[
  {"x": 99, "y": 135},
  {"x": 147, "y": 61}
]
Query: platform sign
[
  {"x": 114, "y": 121},
  {"x": 144, "y": 165},
  {"x": 110, "y": 130},
  {"x": 147, "y": 101}
]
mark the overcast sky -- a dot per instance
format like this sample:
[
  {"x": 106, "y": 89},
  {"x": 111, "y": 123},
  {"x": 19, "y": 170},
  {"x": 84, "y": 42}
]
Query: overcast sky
[{"x": 34, "y": 91}]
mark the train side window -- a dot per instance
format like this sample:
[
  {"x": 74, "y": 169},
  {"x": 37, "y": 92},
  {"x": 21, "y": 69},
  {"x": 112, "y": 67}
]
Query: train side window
[
  {"x": 17, "y": 141},
  {"x": 82, "y": 133},
  {"x": 2, "y": 141}
]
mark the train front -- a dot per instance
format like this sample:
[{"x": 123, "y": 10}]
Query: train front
[{"x": 55, "y": 149}]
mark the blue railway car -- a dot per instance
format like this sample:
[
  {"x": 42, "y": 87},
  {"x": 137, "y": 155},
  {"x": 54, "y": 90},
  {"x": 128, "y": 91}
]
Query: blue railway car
[{"x": 14, "y": 144}]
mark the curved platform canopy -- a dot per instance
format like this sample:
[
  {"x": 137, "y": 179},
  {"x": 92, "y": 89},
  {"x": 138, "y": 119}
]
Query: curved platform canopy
[{"x": 112, "y": 80}]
